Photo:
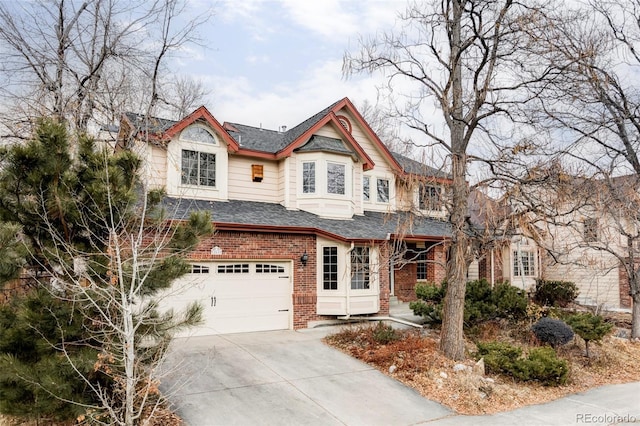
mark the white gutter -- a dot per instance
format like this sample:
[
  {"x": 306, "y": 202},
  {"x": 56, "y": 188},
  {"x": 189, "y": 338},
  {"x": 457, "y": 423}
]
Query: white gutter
[
  {"x": 349, "y": 283},
  {"x": 493, "y": 278}
]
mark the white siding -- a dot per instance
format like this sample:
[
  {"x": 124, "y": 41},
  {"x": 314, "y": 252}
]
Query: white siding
[
  {"x": 381, "y": 170},
  {"x": 594, "y": 272},
  {"x": 241, "y": 186}
]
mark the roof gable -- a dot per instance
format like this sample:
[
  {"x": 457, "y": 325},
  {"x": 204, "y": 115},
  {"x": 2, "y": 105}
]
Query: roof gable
[
  {"x": 203, "y": 114},
  {"x": 163, "y": 130}
]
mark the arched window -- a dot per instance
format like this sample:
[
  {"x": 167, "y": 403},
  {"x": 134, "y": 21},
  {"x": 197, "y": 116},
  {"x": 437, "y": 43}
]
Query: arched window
[{"x": 197, "y": 134}]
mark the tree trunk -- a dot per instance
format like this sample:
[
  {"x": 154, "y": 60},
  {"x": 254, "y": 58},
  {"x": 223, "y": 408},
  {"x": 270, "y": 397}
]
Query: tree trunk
[
  {"x": 452, "y": 335},
  {"x": 635, "y": 315}
]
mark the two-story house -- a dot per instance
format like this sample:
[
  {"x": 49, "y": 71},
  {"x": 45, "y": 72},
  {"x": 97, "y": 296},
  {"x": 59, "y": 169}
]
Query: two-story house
[{"x": 312, "y": 223}]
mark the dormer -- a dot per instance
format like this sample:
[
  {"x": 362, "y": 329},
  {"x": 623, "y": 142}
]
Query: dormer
[
  {"x": 197, "y": 163},
  {"x": 325, "y": 170}
]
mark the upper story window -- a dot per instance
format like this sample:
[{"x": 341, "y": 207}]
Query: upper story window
[
  {"x": 383, "y": 190},
  {"x": 197, "y": 134},
  {"x": 330, "y": 268},
  {"x": 309, "y": 177},
  {"x": 590, "y": 231},
  {"x": 365, "y": 188},
  {"x": 360, "y": 269},
  {"x": 198, "y": 168},
  {"x": 335, "y": 178},
  {"x": 430, "y": 197}
]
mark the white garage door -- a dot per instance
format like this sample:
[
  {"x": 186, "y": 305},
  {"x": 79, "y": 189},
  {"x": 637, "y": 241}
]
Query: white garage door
[{"x": 236, "y": 296}]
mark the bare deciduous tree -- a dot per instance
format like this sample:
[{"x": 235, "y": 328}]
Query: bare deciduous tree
[
  {"x": 464, "y": 56},
  {"x": 592, "y": 108},
  {"x": 83, "y": 63}
]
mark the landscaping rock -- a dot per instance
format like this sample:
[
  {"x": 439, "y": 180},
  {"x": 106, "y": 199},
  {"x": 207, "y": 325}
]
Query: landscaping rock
[
  {"x": 443, "y": 375},
  {"x": 460, "y": 367},
  {"x": 392, "y": 369}
]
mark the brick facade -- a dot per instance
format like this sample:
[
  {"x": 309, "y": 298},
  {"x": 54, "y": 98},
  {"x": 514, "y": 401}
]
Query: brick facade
[
  {"x": 624, "y": 288},
  {"x": 239, "y": 245},
  {"x": 484, "y": 267},
  {"x": 406, "y": 277}
]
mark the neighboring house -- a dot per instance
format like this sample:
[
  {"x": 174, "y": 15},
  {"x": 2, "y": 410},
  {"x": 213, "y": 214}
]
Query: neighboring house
[
  {"x": 505, "y": 250},
  {"x": 592, "y": 238},
  {"x": 313, "y": 223},
  {"x": 581, "y": 230}
]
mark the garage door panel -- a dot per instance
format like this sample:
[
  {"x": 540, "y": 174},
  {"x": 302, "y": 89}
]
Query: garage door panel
[{"x": 236, "y": 296}]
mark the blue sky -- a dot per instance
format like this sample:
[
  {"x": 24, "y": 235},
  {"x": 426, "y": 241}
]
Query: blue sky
[{"x": 277, "y": 62}]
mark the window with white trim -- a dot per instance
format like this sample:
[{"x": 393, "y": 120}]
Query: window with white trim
[
  {"x": 335, "y": 178},
  {"x": 262, "y": 268},
  {"x": 524, "y": 264},
  {"x": 197, "y": 134},
  {"x": 360, "y": 269},
  {"x": 330, "y": 268},
  {"x": 365, "y": 188},
  {"x": 309, "y": 177},
  {"x": 199, "y": 269},
  {"x": 234, "y": 268},
  {"x": 382, "y": 190},
  {"x": 590, "y": 230},
  {"x": 430, "y": 197},
  {"x": 421, "y": 266},
  {"x": 198, "y": 168}
]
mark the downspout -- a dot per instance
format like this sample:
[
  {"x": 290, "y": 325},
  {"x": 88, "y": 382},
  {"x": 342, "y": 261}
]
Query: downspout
[
  {"x": 349, "y": 284},
  {"x": 392, "y": 275},
  {"x": 493, "y": 277},
  {"x": 520, "y": 265}
]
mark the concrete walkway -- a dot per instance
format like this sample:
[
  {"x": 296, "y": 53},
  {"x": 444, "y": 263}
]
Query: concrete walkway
[{"x": 292, "y": 378}]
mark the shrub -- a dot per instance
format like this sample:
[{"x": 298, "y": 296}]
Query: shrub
[
  {"x": 498, "y": 356},
  {"x": 429, "y": 306},
  {"x": 511, "y": 302},
  {"x": 541, "y": 364},
  {"x": 592, "y": 328},
  {"x": 555, "y": 293},
  {"x": 384, "y": 333},
  {"x": 552, "y": 331},
  {"x": 481, "y": 302}
]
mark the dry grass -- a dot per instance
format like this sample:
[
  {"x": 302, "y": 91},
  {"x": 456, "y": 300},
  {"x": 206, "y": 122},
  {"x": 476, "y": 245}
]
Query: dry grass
[{"x": 419, "y": 365}]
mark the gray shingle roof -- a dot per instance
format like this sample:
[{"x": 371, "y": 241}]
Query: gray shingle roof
[
  {"x": 256, "y": 139},
  {"x": 156, "y": 125},
  {"x": 370, "y": 226},
  {"x": 418, "y": 168},
  {"x": 324, "y": 143}
]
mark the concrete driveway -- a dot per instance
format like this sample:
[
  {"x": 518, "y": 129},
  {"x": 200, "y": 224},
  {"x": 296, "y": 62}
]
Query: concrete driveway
[
  {"x": 292, "y": 378},
  {"x": 284, "y": 378}
]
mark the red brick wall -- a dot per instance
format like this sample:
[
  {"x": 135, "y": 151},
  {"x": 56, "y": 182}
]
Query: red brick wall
[
  {"x": 257, "y": 245},
  {"x": 624, "y": 288},
  {"x": 405, "y": 276},
  {"x": 484, "y": 266}
]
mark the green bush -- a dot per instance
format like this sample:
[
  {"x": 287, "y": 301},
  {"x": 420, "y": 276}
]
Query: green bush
[
  {"x": 541, "y": 364},
  {"x": 592, "y": 328},
  {"x": 552, "y": 331},
  {"x": 498, "y": 356},
  {"x": 383, "y": 334},
  {"x": 429, "y": 305},
  {"x": 481, "y": 302},
  {"x": 555, "y": 293}
]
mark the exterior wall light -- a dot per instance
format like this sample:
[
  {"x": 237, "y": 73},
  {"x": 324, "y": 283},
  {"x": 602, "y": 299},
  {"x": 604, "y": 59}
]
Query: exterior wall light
[{"x": 304, "y": 258}]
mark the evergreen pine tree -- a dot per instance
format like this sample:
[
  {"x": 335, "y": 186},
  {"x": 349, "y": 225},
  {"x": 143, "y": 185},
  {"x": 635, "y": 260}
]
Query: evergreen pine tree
[{"x": 95, "y": 247}]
